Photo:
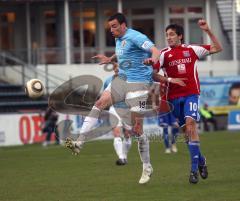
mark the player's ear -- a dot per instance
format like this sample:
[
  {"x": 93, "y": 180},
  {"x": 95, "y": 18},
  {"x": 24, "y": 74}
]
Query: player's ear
[
  {"x": 181, "y": 38},
  {"x": 123, "y": 25}
]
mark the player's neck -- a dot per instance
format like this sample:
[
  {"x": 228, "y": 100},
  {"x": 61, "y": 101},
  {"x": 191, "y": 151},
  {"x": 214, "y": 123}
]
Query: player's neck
[
  {"x": 177, "y": 45},
  {"x": 124, "y": 32}
]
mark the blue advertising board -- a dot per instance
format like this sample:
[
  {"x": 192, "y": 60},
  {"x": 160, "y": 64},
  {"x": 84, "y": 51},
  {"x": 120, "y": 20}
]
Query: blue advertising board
[
  {"x": 217, "y": 92},
  {"x": 234, "y": 120}
]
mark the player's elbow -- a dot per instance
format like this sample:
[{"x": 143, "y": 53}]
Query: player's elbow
[
  {"x": 216, "y": 49},
  {"x": 219, "y": 48}
]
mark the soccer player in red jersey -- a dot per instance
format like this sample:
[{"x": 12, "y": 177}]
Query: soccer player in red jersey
[{"x": 180, "y": 61}]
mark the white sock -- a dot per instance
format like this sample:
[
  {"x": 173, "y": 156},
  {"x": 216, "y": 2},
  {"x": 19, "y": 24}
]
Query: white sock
[
  {"x": 127, "y": 143},
  {"x": 143, "y": 149},
  {"x": 91, "y": 120},
  {"x": 118, "y": 146},
  {"x": 146, "y": 165}
]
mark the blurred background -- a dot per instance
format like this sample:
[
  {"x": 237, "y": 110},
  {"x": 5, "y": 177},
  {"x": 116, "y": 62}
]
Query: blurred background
[{"x": 54, "y": 40}]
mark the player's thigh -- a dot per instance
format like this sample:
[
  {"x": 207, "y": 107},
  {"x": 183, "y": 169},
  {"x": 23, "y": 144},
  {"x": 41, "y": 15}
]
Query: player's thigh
[
  {"x": 117, "y": 89},
  {"x": 191, "y": 110},
  {"x": 136, "y": 99},
  {"x": 137, "y": 96},
  {"x": 162, "y": 120},
  {"x": 178, "y": 111},
  {"x": 173, "y": 120},
  {"x": 191, "y": 107},
  {"x": 104, "y": 101}
]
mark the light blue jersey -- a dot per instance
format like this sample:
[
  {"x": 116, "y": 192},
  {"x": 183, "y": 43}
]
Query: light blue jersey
[
  {"x": 121, "y": 104},
  {"x": 131, "y": 50}
]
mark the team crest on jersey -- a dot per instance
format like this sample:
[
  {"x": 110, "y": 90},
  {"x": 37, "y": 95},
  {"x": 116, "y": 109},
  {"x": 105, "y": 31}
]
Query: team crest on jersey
[
  {"x": 123, "y": 43},
  {"x": 186, "y": 53}
]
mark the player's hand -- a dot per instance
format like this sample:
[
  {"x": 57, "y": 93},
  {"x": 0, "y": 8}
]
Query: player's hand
[
  {"x": 149, "y": 61},
  {"x": 102, "y": 59},
  {"x": 115, "y": 68},
  {"x": 203, "y": 24},
  {"x": 178, "y": 81},
  {"x": 155, "y": 107}
]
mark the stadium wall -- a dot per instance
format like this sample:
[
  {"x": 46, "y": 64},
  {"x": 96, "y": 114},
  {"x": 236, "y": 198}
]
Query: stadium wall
[{"x": 66, "y": 72}]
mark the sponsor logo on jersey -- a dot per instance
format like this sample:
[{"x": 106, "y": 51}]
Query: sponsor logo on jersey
[
  {"x": 180, "y": 61},
  {"x": 181, "y": 68},
  {"x": 186, "y": 53},
  {"x": 170, "y": 55}
]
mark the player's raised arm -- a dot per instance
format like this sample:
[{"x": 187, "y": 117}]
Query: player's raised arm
[
  {"x": 215, "y": 44},
  {"x": 104, "y": 59}
]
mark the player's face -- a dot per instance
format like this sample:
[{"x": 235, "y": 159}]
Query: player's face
[
  {"x": 116, "y": 28},
  {"x": 172, "y": 38},
  {"x": 234, "y": 96}
]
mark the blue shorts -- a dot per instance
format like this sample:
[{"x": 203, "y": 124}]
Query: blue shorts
[
  {"x": 187, "y": 106},
  {"x": 167, "y": 120}
]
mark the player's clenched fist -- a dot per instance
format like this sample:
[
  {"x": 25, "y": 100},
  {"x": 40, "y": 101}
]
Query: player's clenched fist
[{"x": 203, "y": 24}]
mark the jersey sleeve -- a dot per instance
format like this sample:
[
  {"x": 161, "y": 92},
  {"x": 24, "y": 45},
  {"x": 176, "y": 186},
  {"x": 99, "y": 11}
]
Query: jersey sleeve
[
  {"x": 143, "y": 42},
  {"x": 201, "y": 50}
]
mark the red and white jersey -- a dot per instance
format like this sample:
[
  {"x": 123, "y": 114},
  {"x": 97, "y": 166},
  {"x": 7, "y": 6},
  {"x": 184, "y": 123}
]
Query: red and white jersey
[{"x": 181, "y": 62}]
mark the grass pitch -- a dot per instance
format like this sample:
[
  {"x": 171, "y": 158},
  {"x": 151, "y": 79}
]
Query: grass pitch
[{"x": 34, "y": 173}]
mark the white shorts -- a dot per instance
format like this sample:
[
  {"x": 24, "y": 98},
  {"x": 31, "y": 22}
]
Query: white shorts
[{"x": 134, "y": 94}]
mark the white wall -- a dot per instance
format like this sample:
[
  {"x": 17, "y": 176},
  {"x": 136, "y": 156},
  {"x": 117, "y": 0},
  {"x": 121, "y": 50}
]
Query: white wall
[
  {"x": 65, "y": 72},
  {"x": 218, "y": 68}
]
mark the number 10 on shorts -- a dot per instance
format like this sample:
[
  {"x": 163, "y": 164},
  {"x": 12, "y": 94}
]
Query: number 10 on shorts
[{"x": 193, "y": 106}]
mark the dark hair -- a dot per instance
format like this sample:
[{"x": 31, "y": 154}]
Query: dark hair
[
  {"x": 119, "y": 17},
  {"x": 235, "y": 85},
  {"x": 177, "y": 28}
]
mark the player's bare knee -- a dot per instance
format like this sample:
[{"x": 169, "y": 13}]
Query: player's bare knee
[
  {"x": 116, "y": 132},
  {"x": 104, "y": 101},
  {"x": 191, "y": 130},
  {"x": 99, "y": 104},
  {"x": 190, "y": 121},
  {"x": 194, "y": 137}
]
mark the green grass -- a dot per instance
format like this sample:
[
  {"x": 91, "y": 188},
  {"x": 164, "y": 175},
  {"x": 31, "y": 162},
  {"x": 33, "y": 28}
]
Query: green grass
[{"x": 33, "y": 173}]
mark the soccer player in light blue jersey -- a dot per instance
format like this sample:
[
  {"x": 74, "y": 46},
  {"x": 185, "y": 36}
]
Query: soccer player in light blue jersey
[{"x": 131, "y": 85}]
